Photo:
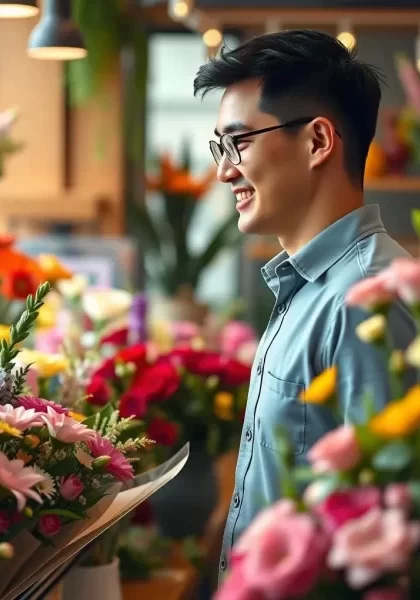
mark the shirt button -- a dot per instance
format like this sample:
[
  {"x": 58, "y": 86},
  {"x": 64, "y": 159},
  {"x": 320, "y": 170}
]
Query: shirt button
[
  {"x": 259, "y": 368},
  {"x": 223, "y": 564},
  {"x": 281, "y": 308},
  {"x": 236, "y": 500},
  {"x": 248, "y": 435}
]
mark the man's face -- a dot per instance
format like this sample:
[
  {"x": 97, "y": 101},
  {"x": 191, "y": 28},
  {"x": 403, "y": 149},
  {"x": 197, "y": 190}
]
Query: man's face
[{"x": 272, "y": 180}]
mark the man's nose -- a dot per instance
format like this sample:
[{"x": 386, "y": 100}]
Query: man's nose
[{"x": 226, "y": 171}]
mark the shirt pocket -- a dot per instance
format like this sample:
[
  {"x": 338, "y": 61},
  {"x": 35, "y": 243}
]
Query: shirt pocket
[{"x": 279, "y": 406}]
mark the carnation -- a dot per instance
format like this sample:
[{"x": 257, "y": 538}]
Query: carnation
[{"x": 118, "y": 466}]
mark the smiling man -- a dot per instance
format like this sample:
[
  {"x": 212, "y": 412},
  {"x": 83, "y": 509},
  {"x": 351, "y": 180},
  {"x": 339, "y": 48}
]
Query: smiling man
[{"x": 295, "y": 123}]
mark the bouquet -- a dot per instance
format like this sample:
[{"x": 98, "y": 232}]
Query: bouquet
[
  {"x": 354, "y": 533},
  {"x": 185, "y": 395},
  {"x": 58, "y": 469}
]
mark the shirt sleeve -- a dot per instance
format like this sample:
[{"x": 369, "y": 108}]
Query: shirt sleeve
[{"x": 361, "y": 366}]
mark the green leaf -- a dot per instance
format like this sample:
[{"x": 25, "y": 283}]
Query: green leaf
[
  {"x": 61, "y": 512},
  {"x": 414, "y": 487},
  {"x": 415, "y": 221},
  {"x": 304, "y": 474},
  {"x": 104, "y": 414},
  {"x": 368, "y": 441},
  {"x": 393, "y": 457},
  {"x": 227, "y": 235}
]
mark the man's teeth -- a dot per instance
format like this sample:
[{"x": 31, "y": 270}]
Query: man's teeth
[{"x": 244, "y": 195}]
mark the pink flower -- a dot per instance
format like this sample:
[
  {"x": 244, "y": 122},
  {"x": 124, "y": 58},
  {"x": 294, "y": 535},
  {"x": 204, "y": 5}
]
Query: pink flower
[
  {"x": 49, "y": 525},
  {"x": 234, "y": 335},
  {"x": 19, "y": 417},
  {"x": 379, "y": 542},
  {"x": 19, "y": 480},
  {"x": 397, "y": 495},
  {"x": 49, "y": 341},
  {"x": 338, "y": 450},
  {"x": 264, "y": 522},
  {"x": 235, "y": 587},
  {"x": 370, "y": 293},
  {"x": 286, "y": 560},
  {"x": 389, "y": 593},
  {"x": 403, "y": 278},
  {"x": 40, "y": 405},
  {"x": 71, "y": 487},
  {"x": 65, "y": 429},
  {"x": 118, "y": 466},
  {"x": 184, "y": 332},
  {"x": 343, "y": 506}
]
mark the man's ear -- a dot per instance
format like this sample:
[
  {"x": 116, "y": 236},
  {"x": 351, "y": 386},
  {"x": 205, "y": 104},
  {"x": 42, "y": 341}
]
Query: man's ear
[{"x": 322, "y": 137}]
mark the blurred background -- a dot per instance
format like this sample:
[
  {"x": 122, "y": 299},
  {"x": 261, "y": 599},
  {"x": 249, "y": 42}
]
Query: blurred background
[{"x": 104, "y": 149}]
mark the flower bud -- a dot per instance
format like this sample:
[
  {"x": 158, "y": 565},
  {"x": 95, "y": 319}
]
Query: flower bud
[
  {"x": 32, "y": 441},
  {"x": 28, "y": 512},
  {"x": 6, "y": 550},
  {"x": 397, "y": 362},
  {"x": 100, "y": 462}
]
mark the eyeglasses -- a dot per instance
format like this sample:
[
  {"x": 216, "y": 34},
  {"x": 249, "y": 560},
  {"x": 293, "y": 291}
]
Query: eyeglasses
[{"x": 229, "y": 143}]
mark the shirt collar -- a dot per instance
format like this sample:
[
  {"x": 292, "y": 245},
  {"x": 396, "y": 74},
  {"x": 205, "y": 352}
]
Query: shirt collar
[{"x": 327, "y": 247}]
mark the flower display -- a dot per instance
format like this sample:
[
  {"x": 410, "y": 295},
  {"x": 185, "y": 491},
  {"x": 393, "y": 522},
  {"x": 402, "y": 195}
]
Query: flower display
[{"x": 348, "y": 525}]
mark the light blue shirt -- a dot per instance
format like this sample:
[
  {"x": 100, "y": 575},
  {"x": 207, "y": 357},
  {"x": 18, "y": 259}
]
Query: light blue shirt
[{"x": 310, "y": 329}]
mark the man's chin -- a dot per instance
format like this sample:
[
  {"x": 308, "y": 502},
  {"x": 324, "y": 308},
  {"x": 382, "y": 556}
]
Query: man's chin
[{"x": 246, "y": 224}]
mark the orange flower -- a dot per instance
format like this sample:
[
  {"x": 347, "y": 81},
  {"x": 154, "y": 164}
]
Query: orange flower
[
  {"x": 18, "y": 272},
  {"x": 174, "y": 180},
  {"x": 53, "y": 269}
]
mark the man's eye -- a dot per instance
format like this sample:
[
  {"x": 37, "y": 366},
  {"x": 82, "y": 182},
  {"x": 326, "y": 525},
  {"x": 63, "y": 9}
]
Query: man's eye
[{"x": 243, "y": 145}]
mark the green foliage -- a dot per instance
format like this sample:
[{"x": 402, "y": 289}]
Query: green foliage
[{"x": 415, "y": 220}]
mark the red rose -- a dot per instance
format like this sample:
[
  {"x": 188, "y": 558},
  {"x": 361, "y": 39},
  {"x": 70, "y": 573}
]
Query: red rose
[
  {"x": 106, "y": 370},
  {"x": 155, "y": 383},
  {"x": 162, "y": 432},
  {"x": 99, "y": 391},
  {"x": 343, "y": 506},
  {"x": 133, "y": 354},
  {"x": 235, "y": 373},
  {"x": 118, "y": 337}
]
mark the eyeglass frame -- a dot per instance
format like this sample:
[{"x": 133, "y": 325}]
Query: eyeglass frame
[{"x": 242, "y": 136}]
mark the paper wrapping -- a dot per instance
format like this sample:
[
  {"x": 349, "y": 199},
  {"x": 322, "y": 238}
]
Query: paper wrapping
[{"x": 105, "y": 514}]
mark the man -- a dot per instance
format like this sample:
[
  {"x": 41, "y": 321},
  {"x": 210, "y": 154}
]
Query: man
[{"x": 295, "y": 123}]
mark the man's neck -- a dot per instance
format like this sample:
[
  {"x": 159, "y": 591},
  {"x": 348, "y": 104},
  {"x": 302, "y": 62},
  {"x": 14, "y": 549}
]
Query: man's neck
[{"x": 318, "y": 216}]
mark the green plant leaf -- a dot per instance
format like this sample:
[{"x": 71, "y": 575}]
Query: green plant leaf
[
  {"x": 104, "y": 414},
  {"x": 304, "y": 474},
  {"x": 414, "y": 487},
  {"x": 415, "y": 221},
  {"x": 227, "y": 235},
  {"x": 393, "y": 457},
  {"x": 61, "y": 512}
]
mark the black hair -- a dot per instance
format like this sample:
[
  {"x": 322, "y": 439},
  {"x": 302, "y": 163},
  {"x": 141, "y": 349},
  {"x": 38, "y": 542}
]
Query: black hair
[{"x": 302, "y": 71}]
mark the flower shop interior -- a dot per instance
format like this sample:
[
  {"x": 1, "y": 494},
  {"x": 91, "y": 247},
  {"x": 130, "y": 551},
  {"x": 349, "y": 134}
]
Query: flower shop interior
[{"x": 109, "y": 193}]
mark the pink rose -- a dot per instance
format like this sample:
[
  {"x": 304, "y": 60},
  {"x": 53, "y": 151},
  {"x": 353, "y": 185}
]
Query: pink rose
[
  {"x": 397, "y": 495},
  {"x": 390, "y": 593},
  {"x": 370, "y": 293},
  {"x": 281, "y": 555},
  {"x": 338, "y": 450},
  {"x": 71, "y": 487},
  {"x": 403, "y": 278},
  {"x": 343, "y": 506},
  {"x": 234, "y": 335},
  {"x": 379, "y": 542},
  {"x": 49, "y": 525}
]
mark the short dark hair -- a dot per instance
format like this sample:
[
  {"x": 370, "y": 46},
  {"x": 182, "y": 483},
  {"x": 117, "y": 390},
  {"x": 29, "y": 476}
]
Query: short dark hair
[{"x": 302, "y": 71}]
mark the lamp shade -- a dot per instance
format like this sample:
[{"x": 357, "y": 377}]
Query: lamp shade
[
  {"x": 56, "y": 37},
  {"x": 17, "y": 9}
]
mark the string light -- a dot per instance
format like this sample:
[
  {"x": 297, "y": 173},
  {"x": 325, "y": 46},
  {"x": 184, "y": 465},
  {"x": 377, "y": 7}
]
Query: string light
[
  {"x": 212, "y": 38},
  {"x": 180, "y": 9},
  {"x": 18, "y": 10}
]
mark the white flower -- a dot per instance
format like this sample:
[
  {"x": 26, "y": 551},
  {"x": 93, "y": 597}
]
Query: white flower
[
  {"x": 372, "y": 330},
  {"x": 47, "y": 486},
  {"x": 413, "y": 353},
  {"x": 84, "y": 458},
  {"x": 106, "y": 305},
  {"x": 72, "y": 288},
  {"x": 95, "y": 483},
  {"x": 82, "y": 500},
  {"x": 60, "y": 454}
]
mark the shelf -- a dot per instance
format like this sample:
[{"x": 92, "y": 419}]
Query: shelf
[{"x": 394, "y": 183}]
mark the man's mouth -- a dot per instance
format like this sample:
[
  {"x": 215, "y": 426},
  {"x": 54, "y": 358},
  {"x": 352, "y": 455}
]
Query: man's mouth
[{"x": 243, "y": 198}]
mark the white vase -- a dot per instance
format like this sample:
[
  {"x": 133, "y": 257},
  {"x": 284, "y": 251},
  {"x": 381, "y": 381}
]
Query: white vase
[{"x": 94, "y": 583}]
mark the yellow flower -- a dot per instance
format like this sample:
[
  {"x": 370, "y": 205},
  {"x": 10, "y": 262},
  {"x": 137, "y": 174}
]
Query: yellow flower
[
  {"x": 47, "y": 317},
  {"x": 72, "y": 288},
  {"x": 6, "y": 429},
  {"x": 53, "y": 269},
  {"x": 372, "y": 330},
  {"x": 397, "y": 362},
  {"x": 223, "y": 405},
  {"x": 322, "y": 388},
  {"x": 399, "y": 418},
  {"x": 47, "y": 365},
  {"x": 77, "y": 416},
  {"x": 5, "y": 332}
]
